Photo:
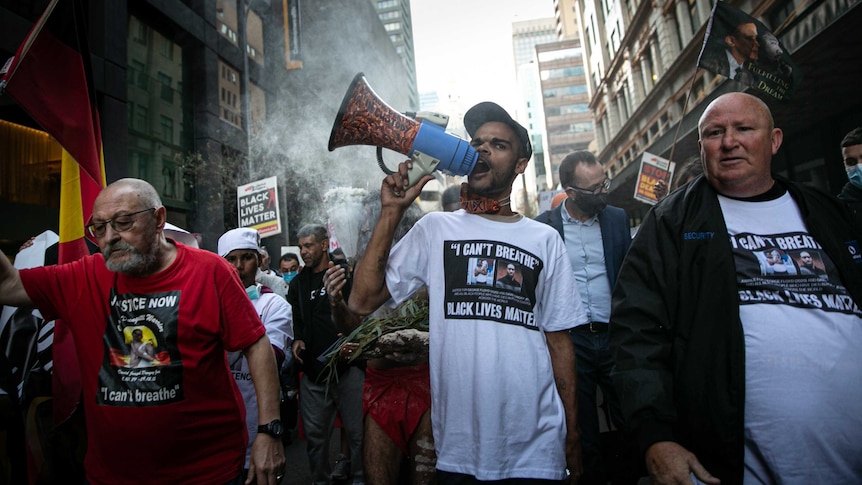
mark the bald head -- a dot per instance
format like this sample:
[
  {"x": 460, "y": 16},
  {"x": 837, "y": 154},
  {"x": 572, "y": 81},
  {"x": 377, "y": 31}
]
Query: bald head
[
  {"x": 137, "y": 189},
  {"x": 752, "y": 103},
  {"x": 130, "y": 219},
  {"x": 737, "y": 139}
]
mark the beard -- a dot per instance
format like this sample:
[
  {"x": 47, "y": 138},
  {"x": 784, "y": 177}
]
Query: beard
[
  {"x": 500, "y": 180},
  {"x": 137, "y": 264}
]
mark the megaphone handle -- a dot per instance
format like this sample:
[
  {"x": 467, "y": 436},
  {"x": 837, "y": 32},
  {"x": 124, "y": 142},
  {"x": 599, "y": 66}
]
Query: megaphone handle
[{"x": 422, "y": 165}]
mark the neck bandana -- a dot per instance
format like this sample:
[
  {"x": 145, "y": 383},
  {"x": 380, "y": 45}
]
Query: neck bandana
[{"x": 476, "y": 204}]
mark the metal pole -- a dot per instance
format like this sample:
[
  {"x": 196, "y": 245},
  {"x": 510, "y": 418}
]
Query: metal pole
[{"x": 244, "y": 85}]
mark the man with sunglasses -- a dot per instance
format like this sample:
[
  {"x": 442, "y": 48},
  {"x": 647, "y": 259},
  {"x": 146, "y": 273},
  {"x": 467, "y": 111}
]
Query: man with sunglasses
[
  {"x": 597, "y": 237},
  {"x": 192, "y": 307}
]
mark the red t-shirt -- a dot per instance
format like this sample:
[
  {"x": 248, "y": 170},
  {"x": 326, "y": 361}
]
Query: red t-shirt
[{"x": 160, "y": 403}]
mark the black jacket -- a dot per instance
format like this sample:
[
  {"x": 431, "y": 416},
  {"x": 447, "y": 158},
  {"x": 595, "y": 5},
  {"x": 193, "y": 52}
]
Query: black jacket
[
  {"x": 675, "y": 327},
  {"x": 616, "y": 236},
  {"x": 852, "y": 196}
]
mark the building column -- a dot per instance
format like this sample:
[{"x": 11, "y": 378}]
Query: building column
[
  {"x": 668, "y": 40},
  {"x": 684, "y": 21},
  {"x": 600, "y": 132},
  {"x": 613, "y": 115},
  {"x": 639, "y": 92},
  {"x": 655, "y": 58},
  {"x": 703, "y": 11}
]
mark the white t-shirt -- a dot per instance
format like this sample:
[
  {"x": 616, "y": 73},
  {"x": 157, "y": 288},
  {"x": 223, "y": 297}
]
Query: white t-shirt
[
  {"x": 277, "y": 317},
  {"x": 495, "y": 409},
  {"x": 803, "y": 351}
]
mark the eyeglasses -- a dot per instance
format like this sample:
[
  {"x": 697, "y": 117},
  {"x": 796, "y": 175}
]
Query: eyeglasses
[
  {"x": 119, "y": 224},
  {"x": 594, "y": 190}
]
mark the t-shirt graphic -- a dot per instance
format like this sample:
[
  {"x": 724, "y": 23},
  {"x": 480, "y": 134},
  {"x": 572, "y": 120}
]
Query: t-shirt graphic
[
  {"x": 141, "y": 364},
  {"x": 790, "y": 269},
  {"x": 490, "y": 280}
]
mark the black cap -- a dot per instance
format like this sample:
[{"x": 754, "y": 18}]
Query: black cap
[{"x": 484, "y": 112}]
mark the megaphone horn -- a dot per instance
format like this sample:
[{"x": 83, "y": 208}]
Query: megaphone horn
[{"x": 365, "y": 119}]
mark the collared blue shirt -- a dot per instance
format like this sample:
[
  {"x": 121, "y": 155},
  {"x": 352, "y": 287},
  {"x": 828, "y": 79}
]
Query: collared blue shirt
[{"x": 587, "y": 255}]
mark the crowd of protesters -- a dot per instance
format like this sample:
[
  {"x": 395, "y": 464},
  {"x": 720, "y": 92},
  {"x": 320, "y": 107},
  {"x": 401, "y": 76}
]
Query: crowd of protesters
[{"x": 715, "y": 366}]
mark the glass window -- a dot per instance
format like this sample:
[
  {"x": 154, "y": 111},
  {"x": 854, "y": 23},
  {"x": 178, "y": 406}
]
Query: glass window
[
  {"x": 546, "y": 74},
  {"x": 568, "y": 109},
  {"x": 167, "y": 48},
  {"x": 564, "y": 91},
  {"x": 141, "y": 114},
  {"x": 167, "y": 93},
  {"x": 167, "y": 127},
  {"x": 560, "y": 54},
  {"x": 570, "y": 128},
  {"x": 158, "y": 127}
]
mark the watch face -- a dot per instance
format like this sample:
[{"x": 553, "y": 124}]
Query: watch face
[{"x": 274, "y": 428}]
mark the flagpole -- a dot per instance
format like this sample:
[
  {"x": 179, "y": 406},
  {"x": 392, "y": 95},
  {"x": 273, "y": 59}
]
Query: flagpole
[
  {"x": 34, "y": 32},
  {"x": 681, "y": 117}
]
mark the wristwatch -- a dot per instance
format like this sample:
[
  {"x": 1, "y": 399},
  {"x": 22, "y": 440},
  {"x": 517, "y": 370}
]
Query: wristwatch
[{"x": 274, "y": 428}]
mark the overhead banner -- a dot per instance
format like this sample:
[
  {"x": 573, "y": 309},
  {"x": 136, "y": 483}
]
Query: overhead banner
[
  {"x": 653, "y": 168},
  {"x": 257, "y": 205},
  {"x": 739, "y": 47}
]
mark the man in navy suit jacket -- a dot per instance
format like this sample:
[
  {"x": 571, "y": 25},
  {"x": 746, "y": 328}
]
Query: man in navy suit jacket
[{"x": 597, "y": 237}]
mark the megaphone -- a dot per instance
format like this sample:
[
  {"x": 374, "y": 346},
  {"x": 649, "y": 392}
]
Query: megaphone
[{"x": 365, "y": 119}]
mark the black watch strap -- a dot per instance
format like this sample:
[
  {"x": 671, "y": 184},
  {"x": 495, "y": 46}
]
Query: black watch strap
[{"x": 274, "y": 428}]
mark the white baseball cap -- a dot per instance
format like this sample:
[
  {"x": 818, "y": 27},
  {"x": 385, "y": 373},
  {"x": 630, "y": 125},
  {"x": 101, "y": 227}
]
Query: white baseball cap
[{"x": 240, "y": 238}]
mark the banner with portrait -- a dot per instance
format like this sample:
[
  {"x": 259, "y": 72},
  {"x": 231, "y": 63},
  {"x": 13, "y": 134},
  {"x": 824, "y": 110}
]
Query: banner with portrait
[{"x": 741, "y": 48}]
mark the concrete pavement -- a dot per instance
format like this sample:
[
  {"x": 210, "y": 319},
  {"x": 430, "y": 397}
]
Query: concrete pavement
[{"x": 296, "y": 470}]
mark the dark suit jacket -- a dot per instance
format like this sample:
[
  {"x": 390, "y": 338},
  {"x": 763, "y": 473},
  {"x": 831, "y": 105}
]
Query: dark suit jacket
[
  {"x": 719, "y": 64},
  {"x": 616, "y": 235}
]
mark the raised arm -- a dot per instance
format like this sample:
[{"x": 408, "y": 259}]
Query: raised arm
[
  {"x": 11, "y": 289},
  {"x": 369, "y": 278}
]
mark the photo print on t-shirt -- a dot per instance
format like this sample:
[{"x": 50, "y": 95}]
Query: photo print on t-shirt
[
  {"x": 141, "y": 364},
  {"x": 788, "y": 269},
  {"x": 500, "y": 282}
]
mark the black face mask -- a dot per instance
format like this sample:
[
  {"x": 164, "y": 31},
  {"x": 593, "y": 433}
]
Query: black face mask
[{"x": 591, "y": 204}]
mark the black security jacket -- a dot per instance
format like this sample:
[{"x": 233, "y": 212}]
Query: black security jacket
[{"x": 675, "y": 327}]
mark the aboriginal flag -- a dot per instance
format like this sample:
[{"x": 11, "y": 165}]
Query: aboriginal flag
[{"x": 51, "y": 79}]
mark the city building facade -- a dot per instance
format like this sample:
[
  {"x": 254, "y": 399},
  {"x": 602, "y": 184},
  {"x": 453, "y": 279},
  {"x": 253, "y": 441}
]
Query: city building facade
[
  {"x": 568, "y": 121},
  {"x": 646, "y": 93},
  {"x": 398, "y": 22},
  {"x": 526, "y": 35},
  {"x": 184, "y": 107}
]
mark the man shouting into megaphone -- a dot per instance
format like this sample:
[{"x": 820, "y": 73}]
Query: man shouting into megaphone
[{"x": 501, "y": 361}]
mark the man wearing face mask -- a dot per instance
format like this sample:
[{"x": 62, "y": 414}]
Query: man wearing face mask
[
  {"x": 597, "y": 238},
  {"x": 268, "y": 277},
  {"x": 288, "y": 266},
  {"x": 851, "y": 152}
]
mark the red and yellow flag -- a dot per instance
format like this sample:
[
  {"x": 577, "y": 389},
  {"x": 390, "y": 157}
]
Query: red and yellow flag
[{"x": 51, "y": 79}]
